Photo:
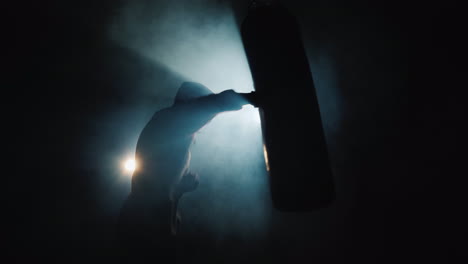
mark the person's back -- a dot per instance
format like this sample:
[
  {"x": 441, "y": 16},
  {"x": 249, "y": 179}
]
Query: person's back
[{"x": 147, "y": 224}]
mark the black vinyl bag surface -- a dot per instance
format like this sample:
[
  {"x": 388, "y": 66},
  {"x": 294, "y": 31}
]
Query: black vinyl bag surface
[{"x": 294, "y": 142}]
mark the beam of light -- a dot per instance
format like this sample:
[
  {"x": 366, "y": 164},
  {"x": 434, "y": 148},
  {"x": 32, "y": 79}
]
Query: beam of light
[{"x": 191, "y": 38}]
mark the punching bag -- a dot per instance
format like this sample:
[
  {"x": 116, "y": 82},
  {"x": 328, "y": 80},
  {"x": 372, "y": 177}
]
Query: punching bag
[{"x": 295, "y": 150}]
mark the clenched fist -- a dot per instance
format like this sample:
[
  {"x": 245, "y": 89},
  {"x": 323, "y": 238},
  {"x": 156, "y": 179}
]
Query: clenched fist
[
  {"x": 229, "y": 100},
  {"x": 189, "y": 182}
]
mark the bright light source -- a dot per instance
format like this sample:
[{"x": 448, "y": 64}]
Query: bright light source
[
  {"x": 130, "y": 165},
  {"x": 265, "y": 154}
]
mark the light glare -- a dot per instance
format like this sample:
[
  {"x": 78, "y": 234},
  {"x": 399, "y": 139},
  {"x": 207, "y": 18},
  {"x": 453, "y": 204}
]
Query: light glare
[{"x": 130, "y": 165}]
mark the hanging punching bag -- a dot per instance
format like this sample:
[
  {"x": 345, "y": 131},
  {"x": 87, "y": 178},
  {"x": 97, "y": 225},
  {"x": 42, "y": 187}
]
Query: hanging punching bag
[{"x": 294, "y": 143}]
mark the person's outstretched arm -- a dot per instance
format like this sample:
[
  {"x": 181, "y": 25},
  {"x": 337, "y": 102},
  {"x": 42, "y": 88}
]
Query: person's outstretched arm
[{"x": 186, "y": 118}]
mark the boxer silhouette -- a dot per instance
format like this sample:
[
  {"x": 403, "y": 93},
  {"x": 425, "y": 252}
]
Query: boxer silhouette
[{"x": 149, "y": 218}]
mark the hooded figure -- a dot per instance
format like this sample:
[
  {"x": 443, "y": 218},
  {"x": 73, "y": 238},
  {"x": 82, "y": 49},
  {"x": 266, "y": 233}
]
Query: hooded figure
[{"x": 149, "y": 217}]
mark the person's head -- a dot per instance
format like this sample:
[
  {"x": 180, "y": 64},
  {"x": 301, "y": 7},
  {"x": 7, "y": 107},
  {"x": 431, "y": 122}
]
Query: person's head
[{"x": 191, "y": 90}]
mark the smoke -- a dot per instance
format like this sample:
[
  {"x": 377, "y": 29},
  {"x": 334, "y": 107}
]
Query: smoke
[
  {"x": 168, "y": 42},
  {"x": 197, "y": 39},
  {"x": 185, "y": 41}
]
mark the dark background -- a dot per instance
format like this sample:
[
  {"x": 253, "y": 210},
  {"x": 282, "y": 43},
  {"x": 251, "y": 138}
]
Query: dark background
[{"x": 396, "y": 163}]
